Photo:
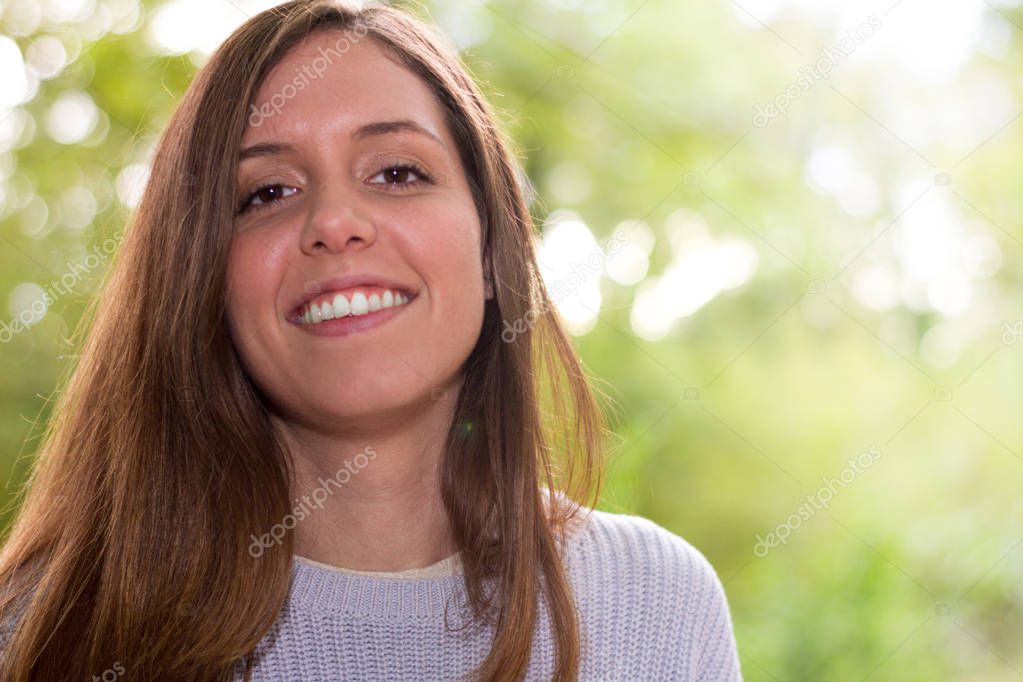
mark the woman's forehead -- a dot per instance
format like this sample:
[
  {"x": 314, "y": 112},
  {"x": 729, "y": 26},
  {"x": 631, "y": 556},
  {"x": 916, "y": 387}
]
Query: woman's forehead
[
  {"x": 330, "y": 62},
  {"x": 316, "y": 84}
]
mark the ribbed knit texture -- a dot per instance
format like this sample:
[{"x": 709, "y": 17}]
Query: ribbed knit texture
[{"x": 651, "y": 608}]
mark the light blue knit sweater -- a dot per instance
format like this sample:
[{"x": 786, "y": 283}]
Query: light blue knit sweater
[{"x": 651, "y": 608}]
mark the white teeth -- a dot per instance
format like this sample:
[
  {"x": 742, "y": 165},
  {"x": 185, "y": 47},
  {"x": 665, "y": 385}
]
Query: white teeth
[
  {"x": 360, "y": 306},
  {"x": 341, "y": 306}
]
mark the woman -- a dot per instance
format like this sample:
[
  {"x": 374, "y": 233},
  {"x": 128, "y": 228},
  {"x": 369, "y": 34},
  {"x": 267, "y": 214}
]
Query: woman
[{"x": 296, "y": 447}]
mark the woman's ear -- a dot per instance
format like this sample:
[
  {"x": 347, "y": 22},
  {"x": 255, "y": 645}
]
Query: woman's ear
[
  {"x": 488, "y": 285},
  {"x": 488, "y": 279}
]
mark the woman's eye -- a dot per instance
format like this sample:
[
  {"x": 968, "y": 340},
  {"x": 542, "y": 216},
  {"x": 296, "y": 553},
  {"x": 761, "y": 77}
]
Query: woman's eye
[
  {"x": 398, "y": 175},
  {"x": 266, "y": 195}
]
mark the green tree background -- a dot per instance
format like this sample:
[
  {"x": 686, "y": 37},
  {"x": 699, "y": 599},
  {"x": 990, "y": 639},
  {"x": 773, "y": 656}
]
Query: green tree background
[{"x": 798, "y": 289}]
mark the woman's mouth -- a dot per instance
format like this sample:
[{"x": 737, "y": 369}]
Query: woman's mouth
[{"x": 340, "y": 313}]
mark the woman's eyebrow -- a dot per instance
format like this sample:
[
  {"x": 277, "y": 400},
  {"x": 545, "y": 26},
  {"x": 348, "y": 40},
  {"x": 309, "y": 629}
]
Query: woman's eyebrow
[
  {"x": 397, "y": 126},
  {"x": 364, "y": 131},
  {"x": 264, "y": 149}
]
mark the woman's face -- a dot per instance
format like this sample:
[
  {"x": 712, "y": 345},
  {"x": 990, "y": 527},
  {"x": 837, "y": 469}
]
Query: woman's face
[{"x": 332, "y": 217}]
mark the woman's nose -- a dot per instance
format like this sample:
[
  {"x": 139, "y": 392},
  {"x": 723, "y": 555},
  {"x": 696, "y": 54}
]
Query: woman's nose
[{"x": 337, "y": 223}]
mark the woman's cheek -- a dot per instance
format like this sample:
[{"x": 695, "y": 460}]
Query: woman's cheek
[{"x": 253, "y": 273}]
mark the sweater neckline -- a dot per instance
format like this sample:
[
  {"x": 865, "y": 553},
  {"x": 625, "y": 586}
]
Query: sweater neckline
[
  {"x": 450, "y": 565},
  {"x": 385, "y": 596},
  {"x": 364, "y": 596}
]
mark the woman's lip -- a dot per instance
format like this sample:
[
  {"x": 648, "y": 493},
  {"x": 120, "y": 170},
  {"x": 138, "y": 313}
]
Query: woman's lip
[
  {"x": 367, "y": 290},
  {"x": 353, "y": 324},
  {"x": 348, "y": 283}
]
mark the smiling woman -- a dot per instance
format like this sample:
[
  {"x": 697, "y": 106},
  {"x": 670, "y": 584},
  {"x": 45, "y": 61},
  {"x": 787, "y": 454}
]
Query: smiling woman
[{"x": 296, "y": 445}]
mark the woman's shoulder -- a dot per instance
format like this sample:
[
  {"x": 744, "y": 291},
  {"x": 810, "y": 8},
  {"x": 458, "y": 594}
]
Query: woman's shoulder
[
  {"x": 636, "y": 547},
  {"x": 635, "y": 579}
]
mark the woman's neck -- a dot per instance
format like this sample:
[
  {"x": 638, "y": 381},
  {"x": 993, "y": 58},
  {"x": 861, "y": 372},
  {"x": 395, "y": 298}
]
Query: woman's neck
[{"x": 372, "y": 503}]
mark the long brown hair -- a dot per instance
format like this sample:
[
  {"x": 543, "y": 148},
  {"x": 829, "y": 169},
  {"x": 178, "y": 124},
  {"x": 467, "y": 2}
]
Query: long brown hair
[{"x": 130, "y": 549}]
